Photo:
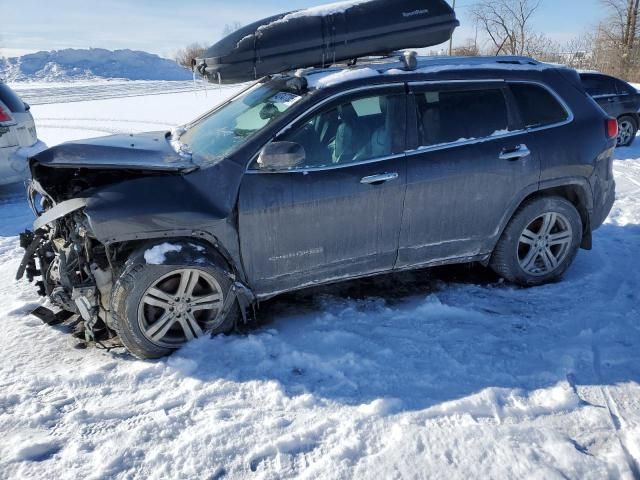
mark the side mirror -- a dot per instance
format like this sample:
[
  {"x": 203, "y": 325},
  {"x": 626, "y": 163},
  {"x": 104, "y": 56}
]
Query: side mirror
[
  {"x": 27, "y": 107},
  {"x": 281, "y": 156}
]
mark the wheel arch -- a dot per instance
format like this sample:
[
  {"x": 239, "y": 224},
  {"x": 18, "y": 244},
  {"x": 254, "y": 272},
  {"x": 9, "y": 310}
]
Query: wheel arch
[
  {"x": 634, "y": 115},
  {"x": 575, "y": 190},
  {"x": 192, "y": 247}
]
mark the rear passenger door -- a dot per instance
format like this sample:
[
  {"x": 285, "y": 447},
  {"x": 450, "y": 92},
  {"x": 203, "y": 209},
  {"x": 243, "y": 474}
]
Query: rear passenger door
[{"x": 471, "y": 162}]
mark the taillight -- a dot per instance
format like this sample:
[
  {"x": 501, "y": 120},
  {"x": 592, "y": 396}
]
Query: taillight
[
  {"x": 612, "y": 128},
  {"x": 4, "y": 115}
]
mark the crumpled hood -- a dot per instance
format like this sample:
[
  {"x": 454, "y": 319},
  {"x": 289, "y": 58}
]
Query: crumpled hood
[{"x": 144, "y": 151}]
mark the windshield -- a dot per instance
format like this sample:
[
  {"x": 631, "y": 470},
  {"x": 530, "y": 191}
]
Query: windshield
[{"x": 222, "y": 131}]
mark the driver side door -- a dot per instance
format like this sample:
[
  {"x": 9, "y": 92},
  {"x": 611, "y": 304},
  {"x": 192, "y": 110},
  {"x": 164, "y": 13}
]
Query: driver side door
[{"x": 338, "y": 215}]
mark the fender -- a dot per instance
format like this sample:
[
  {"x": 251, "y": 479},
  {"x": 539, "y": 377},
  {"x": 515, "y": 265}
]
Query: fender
[
  {"x": 581, "y": 182},
  {"x": 192, "y": 242}
]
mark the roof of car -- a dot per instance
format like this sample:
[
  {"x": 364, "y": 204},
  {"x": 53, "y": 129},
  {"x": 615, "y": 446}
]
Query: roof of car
[{"x": 369, "y": 68}]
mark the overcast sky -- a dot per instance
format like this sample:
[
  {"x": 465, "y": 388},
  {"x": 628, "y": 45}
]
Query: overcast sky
[{"x": 162, "y": 26}]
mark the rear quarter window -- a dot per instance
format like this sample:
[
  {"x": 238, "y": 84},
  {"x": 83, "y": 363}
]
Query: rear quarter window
[
  {"x": 537, "y": 106},
  {"x": 599, "y": 85},
  {"x": 11, "y": 100},
  {"x": 624, "y": 88}
]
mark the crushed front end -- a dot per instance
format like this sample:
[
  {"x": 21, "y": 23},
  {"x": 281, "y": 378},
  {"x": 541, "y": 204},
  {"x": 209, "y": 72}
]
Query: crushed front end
[{"x": 67, "y": 264}]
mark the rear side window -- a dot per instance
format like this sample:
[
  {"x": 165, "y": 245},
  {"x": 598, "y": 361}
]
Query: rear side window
[
  {"x": 538, "y": 107},
  {"x": 11, "y": 100},
  {"x": 599, "y": 85},
  {"x": 449, "y": 116}
]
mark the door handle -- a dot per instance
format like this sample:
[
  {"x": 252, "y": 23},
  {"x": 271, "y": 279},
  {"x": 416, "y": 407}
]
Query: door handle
[
  {"x": 511, "y": 154},
  {"x": 379, "y": 179}
]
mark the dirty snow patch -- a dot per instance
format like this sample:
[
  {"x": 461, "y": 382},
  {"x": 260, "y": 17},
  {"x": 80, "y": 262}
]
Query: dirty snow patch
[{"x": 158, "y": 254}]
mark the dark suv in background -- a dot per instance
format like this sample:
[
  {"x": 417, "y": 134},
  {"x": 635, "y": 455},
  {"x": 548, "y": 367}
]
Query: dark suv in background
[
  {"x": 318, "y": 177},
  {"x": 619, "y": 99}
]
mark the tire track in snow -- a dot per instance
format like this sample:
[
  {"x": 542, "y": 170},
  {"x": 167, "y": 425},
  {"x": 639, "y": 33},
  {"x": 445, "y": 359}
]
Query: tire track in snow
[{"x": 617, "y": 420}]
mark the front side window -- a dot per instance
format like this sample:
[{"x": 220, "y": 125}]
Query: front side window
[
  {"x": 538, "y": 107},
  {"x": 219, "y": 133},
  {"x": 449, "y": 116},
  {"x": 359, "y": 130}
]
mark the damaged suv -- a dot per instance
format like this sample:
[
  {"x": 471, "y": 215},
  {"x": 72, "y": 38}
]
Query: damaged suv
[{"x": 319, "y": 177}]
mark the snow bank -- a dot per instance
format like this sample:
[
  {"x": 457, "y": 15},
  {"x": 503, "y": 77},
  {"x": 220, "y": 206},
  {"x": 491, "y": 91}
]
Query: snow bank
[{"x": 75, "y": 64}]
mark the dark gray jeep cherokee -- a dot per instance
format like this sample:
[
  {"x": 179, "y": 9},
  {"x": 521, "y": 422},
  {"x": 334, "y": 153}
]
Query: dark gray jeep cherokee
[{"x": 318, "y": 177}]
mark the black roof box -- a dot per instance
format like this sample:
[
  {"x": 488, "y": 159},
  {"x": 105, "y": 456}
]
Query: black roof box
[{"x": 322, "y": 36}]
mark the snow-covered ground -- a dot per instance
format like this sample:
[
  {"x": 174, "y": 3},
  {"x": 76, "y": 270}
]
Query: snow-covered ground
[{"x": 445, "y": 374}]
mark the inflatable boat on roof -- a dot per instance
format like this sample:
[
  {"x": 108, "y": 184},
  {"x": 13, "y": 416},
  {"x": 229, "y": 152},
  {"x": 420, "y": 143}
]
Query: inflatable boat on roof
[{"x": 324, "y": 35}]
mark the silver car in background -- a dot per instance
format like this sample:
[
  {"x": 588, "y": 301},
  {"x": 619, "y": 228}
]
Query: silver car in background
[{"x": 18, "y": 137}]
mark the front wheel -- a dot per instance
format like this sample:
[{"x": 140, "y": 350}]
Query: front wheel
[
  {"x": 540, "y": 242},
  {"x": 159, "y": 308}
]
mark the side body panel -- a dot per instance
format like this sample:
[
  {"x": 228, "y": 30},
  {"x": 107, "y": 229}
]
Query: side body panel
[
  {"x": 458, "y": 196},
  {"x": 579, "y": 153},
  {"x": 304, "y": 228}
]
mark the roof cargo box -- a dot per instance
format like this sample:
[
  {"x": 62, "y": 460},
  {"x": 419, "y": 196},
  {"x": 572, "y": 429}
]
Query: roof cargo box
[{"x": 321, "y": 36}]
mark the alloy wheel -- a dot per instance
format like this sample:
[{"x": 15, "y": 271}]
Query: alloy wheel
[
  {"x": 625, "y": 132},
  {"x": 544, "y": 244},
  {"x": 180, "y": 306}
]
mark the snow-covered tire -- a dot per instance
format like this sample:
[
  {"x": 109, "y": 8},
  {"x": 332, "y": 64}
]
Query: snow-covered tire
[
  {"x": 145, "y": 291},
  {"x": 628, "y": 129},
  {"x": 541, "y": 227}
]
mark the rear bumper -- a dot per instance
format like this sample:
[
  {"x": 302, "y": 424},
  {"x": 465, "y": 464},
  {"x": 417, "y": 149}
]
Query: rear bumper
[
  {"x": 603, "y": 208},
  {"x": 14, "y": 162}
]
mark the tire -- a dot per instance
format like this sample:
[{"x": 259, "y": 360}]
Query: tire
[
  {"x": 541, "y": 227},
  {"x": 143, "y": 304},
  {"x": 628, "y": 129}
]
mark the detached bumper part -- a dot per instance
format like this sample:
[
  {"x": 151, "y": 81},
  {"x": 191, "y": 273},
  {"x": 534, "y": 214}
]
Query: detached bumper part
[{"x": 50, "y": 317}]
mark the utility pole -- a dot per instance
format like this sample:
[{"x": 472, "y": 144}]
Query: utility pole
[{"x": 451, "y": 39}]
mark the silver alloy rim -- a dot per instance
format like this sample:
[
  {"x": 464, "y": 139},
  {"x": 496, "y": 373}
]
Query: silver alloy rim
[
  {"x": 180, "y": 306},
  {"x": 625, "y": 133},
  {"x": 545, "y": 244}
]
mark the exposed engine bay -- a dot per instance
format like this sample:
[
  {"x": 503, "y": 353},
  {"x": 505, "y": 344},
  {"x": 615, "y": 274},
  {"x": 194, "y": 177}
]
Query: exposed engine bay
[
  {"x": 63, "y": 258},
  {"x": 72, "y": 270}
]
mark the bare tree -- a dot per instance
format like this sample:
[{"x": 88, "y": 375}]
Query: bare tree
[
  {"x": 468, "y": 49},
  {"x": 507, "y": 24},
  {"x": 229, "y": 28},
  {"x": 619, "y": 36},
  {"x": 184, "y": 56}
]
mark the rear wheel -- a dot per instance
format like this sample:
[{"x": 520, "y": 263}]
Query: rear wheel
[
  {"x": 159, "y": 308},
  {"x": 540, "y": 242},
  {"x": 627, "y": 131}
]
